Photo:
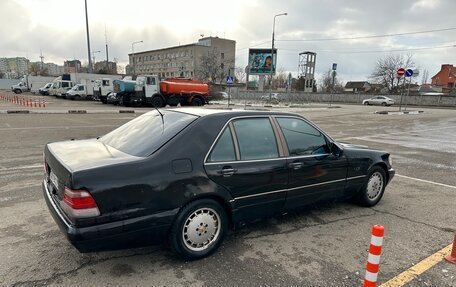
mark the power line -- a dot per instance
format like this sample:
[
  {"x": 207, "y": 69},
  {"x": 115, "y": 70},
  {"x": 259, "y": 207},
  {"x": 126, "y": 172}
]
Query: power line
[
  {"x": 367, "y": 37},
  {"x": 256, "y": 45},
  {"x": 378, "y": 51}
]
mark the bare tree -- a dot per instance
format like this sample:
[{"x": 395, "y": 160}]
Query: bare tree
[
  {"x": 327, "y": 83},
  {"x": 35, "y": 70},
  {"x": 425, "y": 77},
  {"x": 280, "y": 79},
  {"x": 211, "y": 67},
  {"x": 385, "y": 71},
  {"x": 240, "y": 74}
]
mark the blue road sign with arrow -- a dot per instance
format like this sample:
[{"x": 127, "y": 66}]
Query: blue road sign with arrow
[
  {"x": 409, "y": 73},
  {"x": 229, "y": 80}
]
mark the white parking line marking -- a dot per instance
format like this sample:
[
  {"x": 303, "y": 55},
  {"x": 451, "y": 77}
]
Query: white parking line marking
[
  {"x": 427, "y": 181},
  {"x": 34, "y": 166}
]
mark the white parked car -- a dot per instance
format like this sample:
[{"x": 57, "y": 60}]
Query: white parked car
[
  {"x": 274, "y": 97},
  {"x": 224, "y": 95},
  {"x": 379, "y": 100}
]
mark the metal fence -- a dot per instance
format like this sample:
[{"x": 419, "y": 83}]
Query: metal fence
[{"x": 242, "y": 97}]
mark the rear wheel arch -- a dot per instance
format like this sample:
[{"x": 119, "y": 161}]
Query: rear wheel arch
[
  {"x": 181, "y": 232},
  {"x": 217, "y": 198}
]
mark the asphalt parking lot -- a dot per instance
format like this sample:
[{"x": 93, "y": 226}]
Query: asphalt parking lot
[{"x": 322, "y": 246}]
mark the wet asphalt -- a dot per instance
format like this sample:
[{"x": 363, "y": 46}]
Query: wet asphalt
[{"x": 325, "y": 245}]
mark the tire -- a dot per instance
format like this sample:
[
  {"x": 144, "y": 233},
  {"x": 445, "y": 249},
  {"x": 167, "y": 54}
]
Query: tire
[
  {"x": 366, "y": 103},
  {"x": 384, "y": 104},
  {"x": 157, "y": 102},
  {"x": 197, "y": 102},
  {"x": 17, "y": 91},
  {"x": 373, "y": 189},
  {"x": 77, "y": 97},
  {"x": 199, "y": 229}
]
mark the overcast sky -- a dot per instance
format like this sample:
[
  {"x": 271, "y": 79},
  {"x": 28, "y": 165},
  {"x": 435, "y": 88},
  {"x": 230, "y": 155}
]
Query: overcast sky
[{"x": 57, "y": 28}]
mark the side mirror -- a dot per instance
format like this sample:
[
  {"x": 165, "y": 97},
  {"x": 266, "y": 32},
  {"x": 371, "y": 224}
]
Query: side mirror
[{"x": 335, "y": 149}]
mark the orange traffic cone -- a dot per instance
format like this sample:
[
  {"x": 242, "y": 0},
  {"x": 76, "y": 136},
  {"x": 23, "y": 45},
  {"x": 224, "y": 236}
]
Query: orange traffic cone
[{"x": 452, "y": 256}]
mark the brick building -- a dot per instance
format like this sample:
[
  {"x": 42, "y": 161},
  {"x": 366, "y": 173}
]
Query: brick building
[{"x": 446, "y": 77}]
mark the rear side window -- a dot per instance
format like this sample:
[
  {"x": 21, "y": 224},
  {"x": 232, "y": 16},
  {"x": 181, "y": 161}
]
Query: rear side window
[
  {"x": 302, "y": 138},
  {"x": 256, "y": 138},
  {"x": 224, "y": 148},
  {"x": 147, "y": 133}
]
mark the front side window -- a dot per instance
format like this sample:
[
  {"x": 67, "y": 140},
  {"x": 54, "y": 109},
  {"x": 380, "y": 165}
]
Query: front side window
[
  {"x": 302, "y": 138},
  {"x": 256, "y": 139},
  {"x": 224, "y": 148}
]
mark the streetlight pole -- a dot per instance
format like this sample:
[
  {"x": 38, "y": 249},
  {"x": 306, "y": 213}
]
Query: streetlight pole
[
  {"x": 272, "y": 55},
  {"x": 133, "y": 55},
  {"x": 88, "y": 37}
]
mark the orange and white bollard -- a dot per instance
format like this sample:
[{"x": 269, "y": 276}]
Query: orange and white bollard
[
  {"x": 373, "y": 261},
  {"x": 452, "y": 256},
  {"x": 44, "y": 103}
]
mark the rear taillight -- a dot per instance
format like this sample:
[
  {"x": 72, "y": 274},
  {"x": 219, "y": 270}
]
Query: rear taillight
[{"x": 79, "y": 203}]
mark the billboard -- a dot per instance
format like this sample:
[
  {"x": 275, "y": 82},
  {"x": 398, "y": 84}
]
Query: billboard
[{"x": 260, "y": 61}]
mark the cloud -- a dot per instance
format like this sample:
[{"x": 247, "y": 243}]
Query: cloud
[{"x": 59, "y": 30}]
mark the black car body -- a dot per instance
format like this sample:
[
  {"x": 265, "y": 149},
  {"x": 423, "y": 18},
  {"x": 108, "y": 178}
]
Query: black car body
[{"x": 139, "y": 181}]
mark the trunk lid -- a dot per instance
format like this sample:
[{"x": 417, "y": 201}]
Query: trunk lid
[{"x": 63, "y": 159}]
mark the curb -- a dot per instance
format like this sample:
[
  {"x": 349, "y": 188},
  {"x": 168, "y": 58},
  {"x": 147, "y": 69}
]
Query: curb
[
  {"x": 398, "y": 113},
  {"x": 18, "y": 112}
]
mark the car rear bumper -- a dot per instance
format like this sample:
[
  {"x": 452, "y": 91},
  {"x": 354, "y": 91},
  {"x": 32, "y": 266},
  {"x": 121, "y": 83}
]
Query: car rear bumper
[{"x": 144, "y": 230}]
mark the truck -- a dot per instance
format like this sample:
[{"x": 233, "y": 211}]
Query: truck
[
  {"x": 103, "y": 87},
  {"x": 60, "y": 87},
  {"x": 31, "y": 84},
  {"x": 83, "y": 90},
  {"x": 45, "y": 89},
  {"x": 63, "y": 84},
  {"x": 149, "y": 90}
]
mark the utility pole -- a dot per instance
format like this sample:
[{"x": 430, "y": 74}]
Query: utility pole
[
  {"x": 106, "y": 41},
  {"x": 42, "y": 60},
  {"x": 88, "y": 37},
  {"x": 272, "y": 56}
]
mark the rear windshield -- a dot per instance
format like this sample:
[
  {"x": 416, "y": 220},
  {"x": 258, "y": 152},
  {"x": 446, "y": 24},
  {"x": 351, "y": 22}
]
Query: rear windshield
[{"x": 147, "y": 133}]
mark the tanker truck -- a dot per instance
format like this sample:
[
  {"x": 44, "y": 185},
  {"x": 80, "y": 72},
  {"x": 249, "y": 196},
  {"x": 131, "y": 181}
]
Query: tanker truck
[{"x": 148, "y": 90}]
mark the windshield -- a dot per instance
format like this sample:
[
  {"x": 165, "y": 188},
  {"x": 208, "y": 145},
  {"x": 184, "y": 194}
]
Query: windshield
[{"x": 147, "y": 133}]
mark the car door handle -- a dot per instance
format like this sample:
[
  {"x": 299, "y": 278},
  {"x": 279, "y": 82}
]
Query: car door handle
[
  {"x": 296, "y": 165},
  {"x": 227, "y": 172}
]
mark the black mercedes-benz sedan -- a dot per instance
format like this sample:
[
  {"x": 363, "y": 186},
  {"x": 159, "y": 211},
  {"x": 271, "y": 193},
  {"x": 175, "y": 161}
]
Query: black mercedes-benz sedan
[{"x": 185, "y": 176}]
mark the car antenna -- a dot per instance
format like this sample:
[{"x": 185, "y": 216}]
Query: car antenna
[{"x": 161, "y": 115}]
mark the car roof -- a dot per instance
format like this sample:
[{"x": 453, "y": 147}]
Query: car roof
[{"x": 202, "y": 112}]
